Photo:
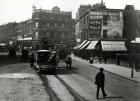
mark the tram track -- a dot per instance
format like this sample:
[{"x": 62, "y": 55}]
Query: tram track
[
  {"x": 76, "y": 96},
  {"x": 53, "y": 95}
]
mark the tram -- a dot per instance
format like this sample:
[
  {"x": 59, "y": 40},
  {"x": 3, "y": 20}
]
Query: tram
[{"x": 45, "y": 60}]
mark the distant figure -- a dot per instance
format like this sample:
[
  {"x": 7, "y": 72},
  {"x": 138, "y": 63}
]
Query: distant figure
[
  {"x": 68, "y": 61},
  {"x": 12, "y": 52},
  {"x": 105, "y": 59},
  {"x": 99, "y": 81},
  {"x": 57, "y": 60},
  {"x": 100, "y": 59},
  {"x": 32, "y": 60},
  {"x": 91, "y": 60},
  {"x": 25, "y": 55}
]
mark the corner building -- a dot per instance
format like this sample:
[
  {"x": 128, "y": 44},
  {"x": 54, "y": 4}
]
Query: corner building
[
  {"x": 99, "y": 22},
  {"x": 56, "y": 25}
]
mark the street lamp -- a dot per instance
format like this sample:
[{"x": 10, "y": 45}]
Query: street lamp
[{"x": 133, "y": 57}]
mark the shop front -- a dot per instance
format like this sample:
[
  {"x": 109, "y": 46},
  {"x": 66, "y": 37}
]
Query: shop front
[{"x": 110, "y": 49}]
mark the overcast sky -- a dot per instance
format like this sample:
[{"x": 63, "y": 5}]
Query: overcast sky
[{"x": 21, "y": 10}]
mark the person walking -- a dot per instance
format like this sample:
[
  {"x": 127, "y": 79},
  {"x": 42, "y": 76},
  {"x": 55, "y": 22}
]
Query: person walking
[
  {"x": 99, "y": 81},
  {"x": 68, "y": 61}
]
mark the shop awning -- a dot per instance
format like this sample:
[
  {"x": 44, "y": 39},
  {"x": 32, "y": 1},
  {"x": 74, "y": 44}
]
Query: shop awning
[
  {"x": 91, "y": 46},
  {"x": 137, "y": 40},
  {"x": 113, "y": 46},
  {"x": 80, "y": 45},
  {"x": 86, "y": 44},
  {"x": 23, "y": 39},
  {"x": 76, "y": 47}
]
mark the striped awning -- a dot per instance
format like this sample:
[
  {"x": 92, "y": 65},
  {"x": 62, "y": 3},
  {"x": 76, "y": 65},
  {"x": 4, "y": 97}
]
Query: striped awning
[
  {"x": 91, "y": 46},
  {"x": 85, "y": 45},
  {"x": 80, "y": 45}
]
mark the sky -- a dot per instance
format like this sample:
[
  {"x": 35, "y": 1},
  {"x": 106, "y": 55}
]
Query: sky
[{"x": 21, "y": 10}]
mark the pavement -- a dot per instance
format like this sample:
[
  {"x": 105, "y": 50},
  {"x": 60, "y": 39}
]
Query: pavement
[{"x": 121, "y": 71}]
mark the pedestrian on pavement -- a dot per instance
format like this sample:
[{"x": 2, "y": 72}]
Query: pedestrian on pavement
[
  {"x": 68, "y": 61},
  {"x": 99, "y": 81},
  {"x": 91, "y": 60},
  {"x": 32, "y": 60},
  {"x": 100, "y": 59}
]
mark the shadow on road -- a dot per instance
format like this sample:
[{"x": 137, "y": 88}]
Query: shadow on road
[
  {"x": 63, "y": 70},
  {"x": 113, "y": 97},
  {"x": 5, "y": 60}
]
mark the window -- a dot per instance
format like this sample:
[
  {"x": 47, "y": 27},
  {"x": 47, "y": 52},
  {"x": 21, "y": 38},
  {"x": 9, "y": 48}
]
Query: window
[
  {"x": 63, "y": 26},
  {"x": 62, "y": 35},
  {"x": 30, "y": 31},
  {"x": 48, "y": 24},
  {"x": 55, "y": 35},
  {"x": 55, "y": 25},
  {"x": 59, "y": 18},
  {"x": 36, "y": 34},
  {"x": 84, "y": 21},
  {"x": 48, "y": 34},
  {"x": 105, "y": 19},
  {"x": 36, "y": 24},
  {"x": 104, "y": 33}
]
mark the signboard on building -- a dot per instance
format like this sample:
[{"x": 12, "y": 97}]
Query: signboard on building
[
  {"x": 113, "y": 46},
  {"x": 95, "y": 24},
  {"x": 98, "y": 13}
]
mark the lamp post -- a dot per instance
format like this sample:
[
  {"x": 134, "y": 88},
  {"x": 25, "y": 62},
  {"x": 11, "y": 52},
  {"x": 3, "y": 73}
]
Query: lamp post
[{"x": 133, "y": 57}]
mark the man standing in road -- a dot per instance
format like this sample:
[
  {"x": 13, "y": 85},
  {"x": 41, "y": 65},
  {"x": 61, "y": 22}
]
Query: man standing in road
[{"x": 99, "y": 81}]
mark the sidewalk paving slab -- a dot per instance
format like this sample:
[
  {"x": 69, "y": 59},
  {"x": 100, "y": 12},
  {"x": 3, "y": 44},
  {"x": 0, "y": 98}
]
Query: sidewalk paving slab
[{"x": 122, "y": 71}]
